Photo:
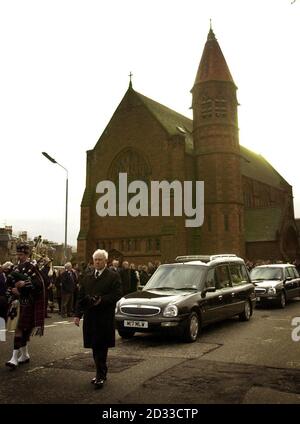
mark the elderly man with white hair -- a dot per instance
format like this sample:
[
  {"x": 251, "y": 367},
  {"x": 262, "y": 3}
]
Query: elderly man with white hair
[{"x": 100, "y": 289}]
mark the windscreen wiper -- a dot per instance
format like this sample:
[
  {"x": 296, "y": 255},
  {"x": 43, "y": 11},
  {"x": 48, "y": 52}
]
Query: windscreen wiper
[
  {"x": 162, "y": 288},
  {"x": 187, "y": 288}
]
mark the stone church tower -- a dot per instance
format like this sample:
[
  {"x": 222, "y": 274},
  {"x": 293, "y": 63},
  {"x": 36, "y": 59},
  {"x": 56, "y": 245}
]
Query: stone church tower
[{"x": 217, "y": 151}]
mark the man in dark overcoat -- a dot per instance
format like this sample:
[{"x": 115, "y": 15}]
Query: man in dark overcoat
[{"x": 99, "y": 291}]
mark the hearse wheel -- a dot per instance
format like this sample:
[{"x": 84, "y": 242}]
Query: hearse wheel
[
  {"x": 192, "y": 328},
  {"x": 246, "y": 314}
]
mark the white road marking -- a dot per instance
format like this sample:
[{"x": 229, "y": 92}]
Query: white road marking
[
  {"x": 49, "y": 325},
  {"x": 35, "y": 369}
]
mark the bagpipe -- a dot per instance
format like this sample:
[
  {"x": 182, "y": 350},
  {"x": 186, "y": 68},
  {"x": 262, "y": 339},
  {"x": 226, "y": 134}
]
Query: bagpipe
[
  {"x": 13, "y": 277},
  {"x": 13, "y": 299},
  {"x": 25, "y": 292}
]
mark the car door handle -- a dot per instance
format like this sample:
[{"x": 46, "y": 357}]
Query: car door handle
[
  {"x": 232, "y": 294},
  {"x": 220, "y": 297}
]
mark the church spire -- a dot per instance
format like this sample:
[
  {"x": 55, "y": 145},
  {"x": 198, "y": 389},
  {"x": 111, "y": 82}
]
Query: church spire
[{"x": 213, "y": 66}]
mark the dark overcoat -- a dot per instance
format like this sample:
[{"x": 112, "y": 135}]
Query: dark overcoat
[{"x": 98, "y": 320}]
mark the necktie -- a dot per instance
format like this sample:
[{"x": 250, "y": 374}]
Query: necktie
[{"x": 97, "y": 274}]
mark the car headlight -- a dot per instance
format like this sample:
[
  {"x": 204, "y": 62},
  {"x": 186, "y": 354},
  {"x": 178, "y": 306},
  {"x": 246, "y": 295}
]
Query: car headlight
[
  {"x": 118, "y": 304},
  {"x": 271, "y": 290},
  {"x": 170, "y": 311}
]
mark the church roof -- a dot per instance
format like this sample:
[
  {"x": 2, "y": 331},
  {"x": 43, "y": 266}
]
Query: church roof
[
  {"x": 255, "y": 166},
  {"x": 213, "y": 66},
  {"x": 261, "y": 224},
  {"x": 173, "y": 122}
]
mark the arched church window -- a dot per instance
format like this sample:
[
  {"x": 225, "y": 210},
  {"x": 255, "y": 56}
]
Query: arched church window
[
  {"x": 132, "y": 162},
  {"x": 226, "y": 222},
  {"x": 209, "y": 223},
  {"x": 149, "y": 246},
  {"x": 157, "y": 244}
]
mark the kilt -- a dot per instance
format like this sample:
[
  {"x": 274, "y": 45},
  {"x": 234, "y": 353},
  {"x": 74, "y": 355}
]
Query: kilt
[{"x": 26, "y": 318}]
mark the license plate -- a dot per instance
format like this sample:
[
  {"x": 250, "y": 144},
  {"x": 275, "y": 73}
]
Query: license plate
[
  {"x": 136, "y": 324},
  {"x": 258, "y": 299}
]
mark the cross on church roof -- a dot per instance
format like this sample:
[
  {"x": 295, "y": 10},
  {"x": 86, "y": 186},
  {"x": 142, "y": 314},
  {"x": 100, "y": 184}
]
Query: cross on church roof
[
  {"x": 130, "y": 82},
  {"x": 211, "y": 35}
]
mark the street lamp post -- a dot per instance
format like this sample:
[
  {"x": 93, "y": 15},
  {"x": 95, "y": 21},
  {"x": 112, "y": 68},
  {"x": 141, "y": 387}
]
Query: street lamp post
[{"x": 67, "y": 183}]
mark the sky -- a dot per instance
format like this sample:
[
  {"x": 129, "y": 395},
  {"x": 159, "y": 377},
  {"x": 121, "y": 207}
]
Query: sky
[{"x": 64, "y": 70}]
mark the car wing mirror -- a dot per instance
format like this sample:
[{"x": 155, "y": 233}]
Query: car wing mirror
[{"x": 208, "y": 290}]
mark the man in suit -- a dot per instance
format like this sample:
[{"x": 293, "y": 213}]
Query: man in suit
[{"x": 100, "y": 289}]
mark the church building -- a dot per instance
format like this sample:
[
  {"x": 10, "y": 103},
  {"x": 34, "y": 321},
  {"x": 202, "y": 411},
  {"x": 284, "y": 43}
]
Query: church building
[{"x": 248, "y": 206}]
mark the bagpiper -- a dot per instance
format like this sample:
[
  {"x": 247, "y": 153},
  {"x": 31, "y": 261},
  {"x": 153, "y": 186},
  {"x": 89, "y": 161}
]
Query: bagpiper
[{"x": 26, "y": 285}]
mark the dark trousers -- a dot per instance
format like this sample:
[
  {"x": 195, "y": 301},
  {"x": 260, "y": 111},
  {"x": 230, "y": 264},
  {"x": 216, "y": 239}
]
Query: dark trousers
[
  {"x": 66, "y": 303},
  {"x": 100, "y": 358},
  {"x": 46, "y": 302}
]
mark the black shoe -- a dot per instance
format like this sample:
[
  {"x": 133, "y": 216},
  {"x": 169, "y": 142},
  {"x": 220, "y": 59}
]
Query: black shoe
[
  {"x": 98, "y": 384},
  {"x": 93, "y": 380},
  {"x": 11, "y": 365}
]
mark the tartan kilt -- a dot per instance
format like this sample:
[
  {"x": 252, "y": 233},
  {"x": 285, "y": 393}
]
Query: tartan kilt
[{"x": 26, "y": 318}]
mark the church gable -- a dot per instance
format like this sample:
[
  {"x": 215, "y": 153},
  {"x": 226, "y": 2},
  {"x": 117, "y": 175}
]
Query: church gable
[
  {"x": 138, "y": 141},
  {"x": 131, "y": 115}
]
